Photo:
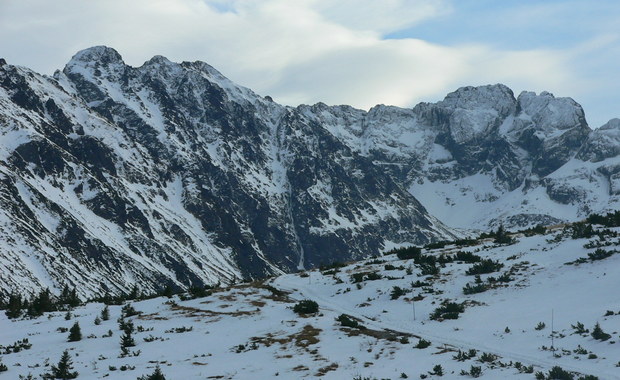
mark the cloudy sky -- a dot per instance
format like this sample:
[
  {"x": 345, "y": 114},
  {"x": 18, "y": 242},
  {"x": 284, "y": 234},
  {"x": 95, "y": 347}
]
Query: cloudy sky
[{"x": 358, "y": 52}]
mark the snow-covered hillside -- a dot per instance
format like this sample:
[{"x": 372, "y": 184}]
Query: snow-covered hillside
[{"x": 547, "y": 285}]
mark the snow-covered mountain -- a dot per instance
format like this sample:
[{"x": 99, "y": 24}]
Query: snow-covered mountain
[
  {"x": 482, "y": 157},
  {"x": 170, "y": 174}
]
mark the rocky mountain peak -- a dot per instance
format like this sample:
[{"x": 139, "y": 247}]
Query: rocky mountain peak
[
  {"x": 476, "y": 112},
  {"x": 603, "y": 143},
  {"x": 96, "y": 56},
  {"x": 496, "y": 97},
  {"x": 550, "y": 113}
]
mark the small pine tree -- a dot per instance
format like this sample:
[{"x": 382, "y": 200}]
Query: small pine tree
[
  {"x": 557, "y": 373},
  {"x": 14, "y": 306},
  {"x": 501, "y": 236},
  {"x": 105, "y": 313},
  {"x": 68, "y": 316},
  {"x": 134, "y": 294},
  {"x": 156, "y": 375},
  {"x": 599, "y": 334},
  {"x": 69, "y": 297},
  {"x": 129, "y": 311},
  {"x": 126, "y": 342},
  {"x": 75, "y": 333},
  {"x": 63, "y": 369},
  {"x": 437, "y": 370},
  {"x": 97, "y": 320},
  {"x": 168, "y": 291},
  {"x": 397, "y": 292},
  {"x": 41, "y": 304}
]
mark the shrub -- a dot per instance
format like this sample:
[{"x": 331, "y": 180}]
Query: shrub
[
  {"x": 580, "y": 328},
  {"x": 306, "y": 307},
  {"x": 397, "y": 292},
  {"x": 429, "y": 269},
  {"x": 447, "y": 310},
  {"x": 484, "y": 266},
  {"x": 419, "y": 284},
  {"x": 609, "y": 220},
  {"x": 129, "y": 311},
  {"x": 476, "y": 288},
  {"x": 436, "y": 245},
  {"x": 582, "y": 230},
  {"x": 437, "y": 370},
  {"x": 540, "y": 326},
  {"x": 557, "y": 373},
  {"x": 407, "y": 253},
  {"x": 467, "y": 257},
  {"x": 335, "y": 265},
  {"x": 539, "y": 229},
  {"x": 461, "y": 356},
  {"x": 475, "y": 371},
  {"x": 487, "y": 358},
  {"x": 365, "y": 276},
  {"x": 422, "y": 344},
  {"x": 600, "y": 254},
  {"x": 348, "y": 321}
]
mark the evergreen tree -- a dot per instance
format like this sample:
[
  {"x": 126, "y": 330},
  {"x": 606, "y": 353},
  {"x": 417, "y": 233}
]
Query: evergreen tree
[
  {"x": 126, "y": 342},
  {"x": 126, "y": 339},
  {"x": 105, "y": 313},
  {"x": 134, "y": 294},
  {"x": 14, "y": 306},
  {"x": 41, "y": 304},
  {"x": 156, "y": 375},
  {"x": 63, "y": 369},
  {"x": 598, "y": 333},
  {"x": 501, "y": 236},
  {"x": 75, "y": 333},
  {"x": 168, "y": 291},
  {"x": 69, "y": 297}
]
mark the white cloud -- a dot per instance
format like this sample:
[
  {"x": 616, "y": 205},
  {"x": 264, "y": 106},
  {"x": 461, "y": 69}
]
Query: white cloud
[
  {"x": 380, "y": 16},
  {"x": 301, "y": 51}
]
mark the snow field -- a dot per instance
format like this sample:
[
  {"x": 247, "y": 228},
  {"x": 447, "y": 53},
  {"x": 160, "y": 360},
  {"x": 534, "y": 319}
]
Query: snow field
[{"x": 250, "y": 331}]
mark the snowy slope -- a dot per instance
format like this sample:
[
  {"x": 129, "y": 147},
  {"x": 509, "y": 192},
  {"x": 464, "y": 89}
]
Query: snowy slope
[{"x": 250, "y": 331}]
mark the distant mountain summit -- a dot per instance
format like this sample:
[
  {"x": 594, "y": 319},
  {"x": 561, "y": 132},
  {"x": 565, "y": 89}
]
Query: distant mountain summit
[{"x": 171, "y": 174}]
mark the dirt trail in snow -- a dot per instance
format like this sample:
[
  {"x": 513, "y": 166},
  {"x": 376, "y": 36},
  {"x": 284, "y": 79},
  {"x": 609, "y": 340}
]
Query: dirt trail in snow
[{"x": 304, "y": 291}]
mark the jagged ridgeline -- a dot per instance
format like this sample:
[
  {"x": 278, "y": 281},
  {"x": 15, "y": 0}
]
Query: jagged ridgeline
[{"x": 169, "y": 174}]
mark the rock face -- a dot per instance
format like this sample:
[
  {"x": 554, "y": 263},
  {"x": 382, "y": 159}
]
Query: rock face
[{"x": 170, "y": 174}]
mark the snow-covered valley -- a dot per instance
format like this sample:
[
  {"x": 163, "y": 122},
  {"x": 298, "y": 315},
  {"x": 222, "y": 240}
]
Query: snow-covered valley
[{"x": 530, "y": 315}]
